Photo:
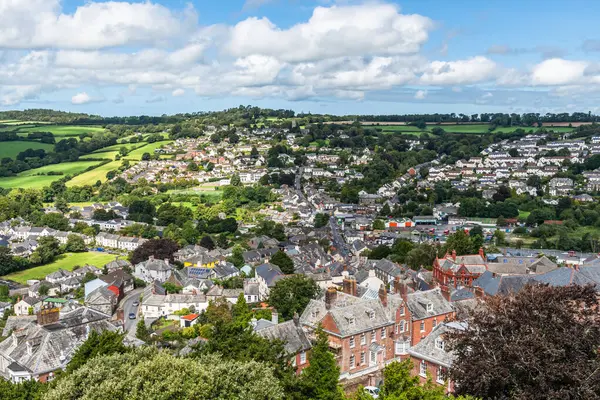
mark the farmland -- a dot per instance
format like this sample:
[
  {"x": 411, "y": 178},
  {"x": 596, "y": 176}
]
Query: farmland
[
  {"x": 65, "y": 261},
  {"x": 149, "y": 148},
  {"x": 117, "y": 147},
  {"x": 11, "y": 149},
  {"x": 97, "y": 174},
  {"x": 59, "y": 131},
  {"x": 457, "y": 128},
  {"x": 36, "y": 178}
]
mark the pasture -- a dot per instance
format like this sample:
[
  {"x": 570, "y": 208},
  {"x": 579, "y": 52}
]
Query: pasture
[
  {"x": 108, "y": 155},
  {"x": 36, "y": 178},
  {"x": 64, "y": 261},
  {"x": 149, "y": 148},
  {"x": 12, "y": 148},
  {"x": 97, "y": 174},
  {"x": 117, "y": 147},
  {"x": 60, "y": 131}
]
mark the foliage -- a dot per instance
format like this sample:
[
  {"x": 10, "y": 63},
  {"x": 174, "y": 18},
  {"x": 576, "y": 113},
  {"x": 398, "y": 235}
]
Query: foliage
[
  {"x": 240, "y": 312},
  {"x": 171, "y": 287},
  {"x": 207, "y": 242},
  {"x": 27, "y": 390},
  {"x": 541, "y": 343},
  {"x": 141, "y": 331},
  {"x": 97, "y": 344},
  {"x": 321, "y": 220},
  {"x": 75, "y": 244},
  {"x": 150, "y": 374},
  {"x": 462, "y": 243},
  {"x": 47, "y": 250},
  {"x": 292, "y": 294},
  {"x": 283, "y": 261},
  {"x": 159, "y": 248}
]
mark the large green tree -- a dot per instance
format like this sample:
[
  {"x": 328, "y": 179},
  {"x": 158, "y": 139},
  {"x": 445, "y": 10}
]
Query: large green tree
[
  {"x": 292, "y": 295},
  {"x": 320, "y": 380},
  {"x": 283, "y": 261},
  {"x": 97, "y": 344}
]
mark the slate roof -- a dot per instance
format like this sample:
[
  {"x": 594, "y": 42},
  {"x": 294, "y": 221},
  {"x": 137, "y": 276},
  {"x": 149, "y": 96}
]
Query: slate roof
[
  {"x": 474, "y": 263},
  {"x": 427, "y": 349},
  {"x": 293, "y": 336},
  {"x": 270, "y": 273},
  {"x": 388, "y": 267},
  {"x": 417, "y": 304},
  {"x": 117, "y": 264},
  {"x": 225, "y": 269},
  {"x": 156, "y": 265}
]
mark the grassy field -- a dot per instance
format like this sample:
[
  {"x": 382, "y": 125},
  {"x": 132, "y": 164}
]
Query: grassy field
[
  {"x": 65, "y": 261},
  {"x": 97, "y": 174},
  {"x": 149, "y": 148},
  {"x": 109, "y": 155},
  {"x": 32, "y": 179},
  {"x": 60, "y": 131},
  {"x": 117, "y": 147},
  {"x": 11, "y": 149},
  {"x": 524, "y": 214}
]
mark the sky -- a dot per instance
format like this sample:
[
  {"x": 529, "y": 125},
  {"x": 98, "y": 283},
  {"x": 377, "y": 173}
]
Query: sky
[{"x": 157, "y": 57}]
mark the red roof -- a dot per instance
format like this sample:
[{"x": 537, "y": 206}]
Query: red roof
[
  {"x": 190, "y": 317},
  {"x": 114, "y": 289}
]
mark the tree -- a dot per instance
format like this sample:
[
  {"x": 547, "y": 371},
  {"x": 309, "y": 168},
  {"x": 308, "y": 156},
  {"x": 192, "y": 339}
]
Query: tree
[
  {"x": 459, "y": 242},
  {"x": 97, "y": 344},
  {"x": 43, "y": 289},
  {"x": 237, "y": 257},
  {"x": 321, "y": 220},
  {"x": 292, "y": 294},
  {"x": 141, "y": 332},
  {"x": 62, "y": 205},
  {"x": 500, "y": 237},
  {"x": 378, "y": 225},
  {"x": 476, "y": 230},
  {"x": 240, "y": 312},
  {"x": 207, "y": 242},
  {"x": 283, "y": 261},
  {"x": 171, "y": 287},
  {"x": 320, "y": 379},
  {"x": 146, "y": 156},
  {"x": 235, "y": 180},
  {"x": 47, "y": 250},
  {"x": 55, "y": 221},
  {"x": 158, "y": 248},
  {"x": 75, "y": 243},
  {"x": 27, "y": 390},
  {"x": 379, "y": 252},
  {"x": 385, "y": 210},
  {"x": 147, "y": 373},
  {"x": 541, "y": 343},
  {"x": 4, "y": 291},
  {"x": 192, "y": 166},
  {"x": 502, "y": 194}
]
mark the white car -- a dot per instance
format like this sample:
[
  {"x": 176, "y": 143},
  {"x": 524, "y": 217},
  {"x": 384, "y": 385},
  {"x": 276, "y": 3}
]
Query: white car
[{"x": 373, "y": 391}]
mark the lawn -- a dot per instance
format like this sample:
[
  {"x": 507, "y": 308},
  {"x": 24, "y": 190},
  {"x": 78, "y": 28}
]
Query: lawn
[
  {"x": 97, "y": 174},
  {"x": 149, "y": 148},
  {"x": 33, "y": 179},
  {"x": 65, "y": 261},
  {"x": 11, "y": 149},
  {"x": 524, "y": 214}
]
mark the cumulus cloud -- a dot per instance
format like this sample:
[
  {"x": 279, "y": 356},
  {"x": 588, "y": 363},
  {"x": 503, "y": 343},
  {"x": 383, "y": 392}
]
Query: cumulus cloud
[
  {"x": 155, "y": 99},
  {"x": 420, "y": 94},
  {"x": 177, "y": 92},
  {"x": 557, "y": 71},
  {"x": 331, "y": 32},
  {"x": 459, "y": 72},
  {"x": 81, "y": 98}
]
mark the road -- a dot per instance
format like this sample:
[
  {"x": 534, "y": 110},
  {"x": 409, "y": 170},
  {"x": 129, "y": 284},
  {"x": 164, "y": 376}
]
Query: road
[
  {"x": 128, "y": 308},
  {"x": 337, "y": 239}
]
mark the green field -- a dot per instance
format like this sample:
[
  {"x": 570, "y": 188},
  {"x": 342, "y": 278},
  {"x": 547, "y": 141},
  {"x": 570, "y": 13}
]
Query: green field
[
  {"x": 97, "y": 174},
  {"x": 524, "y": 214},
  {"x": 109, "y": 155},
  {"x": 32, "y": 179},
  {"x": 60, "y": 130},
  {"x": 460, "y": 128},
  {"x": 149, "y": 148},
  {"x": 117, "y": 147},
  {"x": 65, "y": 261},
  {"x": 11, "y": 149}
]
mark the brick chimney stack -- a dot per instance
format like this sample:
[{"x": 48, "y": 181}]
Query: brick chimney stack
[
  {"x": 397, "y": 284},
  {"x": 454, "y": 255},
  {"x": 330, "y": 297},
  {"x": 383, "y": 295},
  {"x": 403, "y": 291},
  {"x": 481, "y": 253}
]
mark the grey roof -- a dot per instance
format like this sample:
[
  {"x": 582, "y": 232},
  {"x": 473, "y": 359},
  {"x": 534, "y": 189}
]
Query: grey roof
[
  {"x": 293, "y": 336},
  {"x": 388, "y": 267},
  {"x": 60, "y": 274},
  {"x": 270, "y": 273},
  {"x": 542, "y": 265},
  {"x": 417, "y": 303},
  {"x": 225, "y": 269},
  {"x": 156, "y": 265},
  {"x": 426, "y": 349},
  {"x": 118, "y": 263}
]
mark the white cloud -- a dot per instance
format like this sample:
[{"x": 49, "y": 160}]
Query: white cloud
[
  {"x": 420, "y": 94},
  {"x": 81, "y": 98},
  {"x": 468, "y": 71},
  {"x": 336, "y": 31},
  {"x": 178, "y": 92},
  {"x": 41, "y": 24},
  {"x": 557, "y": 71},
  {"x": 155, "y": 99}
]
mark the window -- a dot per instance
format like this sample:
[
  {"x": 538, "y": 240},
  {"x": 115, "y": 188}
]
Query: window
[
  {"x": 429, "y": 307},
  {"x": 352, "y": 321},
  {"x": 373, "y": 336},
  {"x": 402, "y": 326},
  {"x": 352, "y": 361},
  {"x": 423, "y": 368},
  {"x": 402, "y": 311},
  {"x": 439, "y": 344},
  {"x": 440, "y": 375},
  {"x": 422, "y": 326},
  {"x": 352, "y": 341},
  {"x": 401, "y": 347},
  {"x": 372, "y": 314},
  {"x": 303, "y": 357},
  {"x": 363, "y": 338},
  {"x": 363, "y": 358},
  {"x": 434, "y": 322},
  {"x": 383, "y": 333}
]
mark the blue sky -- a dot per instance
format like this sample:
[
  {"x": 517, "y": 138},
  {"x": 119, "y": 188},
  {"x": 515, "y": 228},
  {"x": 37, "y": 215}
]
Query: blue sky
[{"x": 323, "y": 56}]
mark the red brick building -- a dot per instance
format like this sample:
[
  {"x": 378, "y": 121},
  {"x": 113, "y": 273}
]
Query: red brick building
[{"x": 452, "y": 270}]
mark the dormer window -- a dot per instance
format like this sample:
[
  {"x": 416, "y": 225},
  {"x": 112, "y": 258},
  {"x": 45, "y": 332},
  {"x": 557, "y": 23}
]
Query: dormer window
[
  {"x": 429, "y": 307},
  {"x": 371, "y": 314},
  {"x": 352, "y": 321},
  {"x": 439, "y": 344}
]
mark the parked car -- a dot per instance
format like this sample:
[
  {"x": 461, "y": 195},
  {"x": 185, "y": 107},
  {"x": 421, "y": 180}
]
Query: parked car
[
  {"x": 136, "y": 303},
  {"x": 372, "y": 391},
  {"x": 131, "y": 315}
]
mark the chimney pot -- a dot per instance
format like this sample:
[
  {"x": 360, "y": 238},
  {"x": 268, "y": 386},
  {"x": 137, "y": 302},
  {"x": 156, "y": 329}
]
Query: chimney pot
[
  {"x": 330, "y": 297},
  {"x": 296, "y": 319},
  {"x": 383, "y": 295},
  {"x": 274, "y": 317}
]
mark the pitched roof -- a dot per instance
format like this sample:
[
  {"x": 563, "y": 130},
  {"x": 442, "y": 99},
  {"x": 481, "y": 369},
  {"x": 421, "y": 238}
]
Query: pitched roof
[
  {"x": 293, "y": 336},
  {"x": 418, "y": 303},
  {"x": 430, "y": 348}
]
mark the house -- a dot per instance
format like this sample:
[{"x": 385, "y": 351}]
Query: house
[
  {"x": 360, "y": 331},
  {"x": 295, "y": 340},
  {"x": 27, "y": 306},
  {"x": 217, "y": 291},
  {"x": 70, "y": 284},
  {"x": 188, "y": 320},
  {"x": 117, "y": 264},
  {"x": 267, "y": 275},
  {"x": 153, "y": 270},
  {"x": 387, "y": 270},
  {"x": 120, "y": 279},
  {"x": 432, "y": 358},
  {"x": 103, "y": 299},
  {"x": 59, "y": 276},
  {"x": 456, "y": 270},
  {"x": 4, "y": 307},
  {"x": 41, "y": 345},
  {"x": 424, "y": 311}
]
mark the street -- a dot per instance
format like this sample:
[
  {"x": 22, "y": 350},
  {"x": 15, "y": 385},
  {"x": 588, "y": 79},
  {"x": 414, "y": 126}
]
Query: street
[
  {"x": 129, "y": 325},
  {"x": 337, "y": 239}
]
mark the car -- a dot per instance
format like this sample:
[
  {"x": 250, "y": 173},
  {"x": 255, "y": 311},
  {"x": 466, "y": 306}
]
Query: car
[
  {"x": 372, "y": 391},
  {"x": 136, "y": 303},
  {"x": 131, "y": 315}
]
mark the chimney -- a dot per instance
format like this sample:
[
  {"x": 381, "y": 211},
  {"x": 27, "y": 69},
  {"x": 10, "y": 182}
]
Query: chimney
[
  {"x": 296, "y": 319},
  {"x": 274, "y": 317},
  {"x": 403, "y": 291},
  {"x": 397, "y": 284},
  {"x": 454, "y": 255},
  {"x": 151, "y": 258},
  {"x": 354, "y": 288},
  {"x": 481, "y": 253},
  {"x": 330, "y": 296},
  {"x": 383, "y": 295},
  {"x": 167, "y": 261},
  {"x": 445, "y": 292},
  {"x": 347, "y": 286}
]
